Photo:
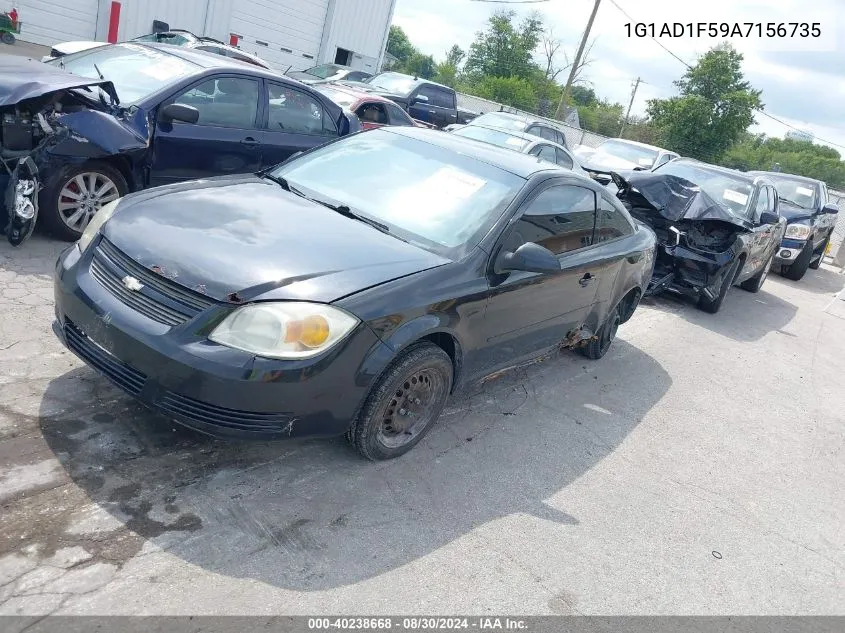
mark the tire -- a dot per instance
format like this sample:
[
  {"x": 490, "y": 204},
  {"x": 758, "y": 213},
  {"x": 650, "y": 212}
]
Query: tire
[
  {"x": 715, "y": 305},
  {"x": 7, "y": 38},
  {"x": 815, "y": 265},
  {"x": 798, "y": 268},
  {"x": 64, "y": 212},
  {"x": 380, "y": 431},
  {"x": 756, "y": 282},
  {"x": 597, "y": 348}
]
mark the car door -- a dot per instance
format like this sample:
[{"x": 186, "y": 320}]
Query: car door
[
  {"x": 762, "y": 240},
  {"x": 434, "y": 105},
  {"x": 613, "y": 227},
  {"x": 528, "y": 312},
  {"x": 224, "y": 140},
  {"x": 294, "y": 121}
]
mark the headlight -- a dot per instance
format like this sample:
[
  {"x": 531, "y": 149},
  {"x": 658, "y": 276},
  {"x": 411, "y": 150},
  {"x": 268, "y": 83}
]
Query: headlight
[
  {"x": 100, "y": 218},
  {"x": 285, "y": 329},
  {"x": 797, "y": 231}
]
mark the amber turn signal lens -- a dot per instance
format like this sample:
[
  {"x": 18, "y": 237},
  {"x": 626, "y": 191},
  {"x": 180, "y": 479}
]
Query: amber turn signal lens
[{"x": 311, "y": 332}]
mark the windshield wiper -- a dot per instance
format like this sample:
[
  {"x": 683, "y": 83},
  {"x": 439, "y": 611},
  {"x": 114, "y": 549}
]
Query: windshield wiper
[
  {"x": 349, "y": 213},
  {"x": 792, "y": 202},
  {"x": 281, "y": 181}
]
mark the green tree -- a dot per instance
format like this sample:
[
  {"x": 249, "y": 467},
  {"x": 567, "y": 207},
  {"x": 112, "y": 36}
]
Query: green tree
[
  {"x": 603, "y": 117},
  {"x": 714, "y": 108},
  {"x": 583, "y": 96},
  {"x": 454, "y": 56},
  {"x": 419, "y": 65},
  {"x": 803, "y": 158},
  {"x": 505, "y": 49},
  {"x": 512, "y": 91},
  {"x": 399, "y": 45}
]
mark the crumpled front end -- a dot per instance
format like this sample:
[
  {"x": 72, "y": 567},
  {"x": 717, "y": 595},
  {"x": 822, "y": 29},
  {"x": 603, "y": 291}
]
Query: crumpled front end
[
  {"x": 44, "y": 130},
  {"x": 697, "y": 239}
]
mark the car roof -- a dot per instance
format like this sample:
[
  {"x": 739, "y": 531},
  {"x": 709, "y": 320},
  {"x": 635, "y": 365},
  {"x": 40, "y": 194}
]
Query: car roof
[
  {"x": 533, "y": 140},
  {"x": 643, "y": 145},
  {"x": 748, "y": 176},
  {"x": 781, "y": 174},
  {"x": 519, "y": 164},
  {"x": 417, "y": 80},
  {"x": 205, "y": 59},
  {"x": 352, "y": 92}
]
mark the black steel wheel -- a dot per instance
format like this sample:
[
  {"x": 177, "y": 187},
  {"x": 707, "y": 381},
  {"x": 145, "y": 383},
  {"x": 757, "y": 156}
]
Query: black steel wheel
[
  {"x": 404, "y": 403},
  {"x": 756, "y": 282},
  {"x": 597, "y": 348},
  {"x": 816, "y": 263},
  {"x": 714, "y": 305}
]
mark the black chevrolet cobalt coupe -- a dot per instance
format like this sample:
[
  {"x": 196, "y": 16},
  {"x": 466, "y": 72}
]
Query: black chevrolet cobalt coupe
[{"x": 349, "y": 290}]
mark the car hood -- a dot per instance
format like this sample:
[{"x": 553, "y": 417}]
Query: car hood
[
  {"x": 22, "y": 79},
  {"x": 673, "y": 198},
  {"x": 303, "y": 77},
  {"x": 601, "y": 161},
  {"x": 794, "y": 213},
  {"x": 244, "y": 238}
]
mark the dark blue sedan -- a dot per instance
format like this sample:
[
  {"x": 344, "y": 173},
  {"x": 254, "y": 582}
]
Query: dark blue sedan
[{"x": 182, "y": 115}]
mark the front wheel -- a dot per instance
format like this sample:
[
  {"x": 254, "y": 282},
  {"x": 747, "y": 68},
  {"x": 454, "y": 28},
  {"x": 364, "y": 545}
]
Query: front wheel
[
  {"x": 598, "y": 347},
  {"x": 756, "y": 282},
  {"x": 75, "y": 194},
  {"x": 403, "y": 404},
  {"x": 815, "y": 264},
  {"x": 714, "y": 305},
  {"x": 7, "y": 38},
  {"x": 797, "y": 269}
]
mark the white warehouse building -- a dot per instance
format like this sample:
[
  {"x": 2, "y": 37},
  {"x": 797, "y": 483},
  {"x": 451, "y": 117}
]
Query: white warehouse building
[{"x": 295, "y": 34}]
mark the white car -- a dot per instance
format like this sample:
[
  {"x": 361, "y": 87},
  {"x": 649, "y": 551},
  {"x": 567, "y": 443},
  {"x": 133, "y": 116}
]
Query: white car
[
  {"x": 619, "y": 154},
  {"x": 175, "y": 37}
]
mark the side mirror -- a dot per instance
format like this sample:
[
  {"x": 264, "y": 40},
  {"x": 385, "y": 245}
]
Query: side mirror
[
  {"x": 420, "y": 99},
  {"x": 830, "y": 208},
  {"x": 767, "y": 217},
  {"x": 180, "y": 112},
  {"x": 530, "y": 257}
]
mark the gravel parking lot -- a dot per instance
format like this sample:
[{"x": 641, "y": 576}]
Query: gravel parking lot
[{"x": 694, "y": 470}]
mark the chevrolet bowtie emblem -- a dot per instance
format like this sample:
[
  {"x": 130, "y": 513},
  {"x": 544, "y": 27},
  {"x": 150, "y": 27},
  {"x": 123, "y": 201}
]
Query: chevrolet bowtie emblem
[{"x": 132, "y": 284}]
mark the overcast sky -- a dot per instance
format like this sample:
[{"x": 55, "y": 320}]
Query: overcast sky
[{"x": 803, "y": 80}]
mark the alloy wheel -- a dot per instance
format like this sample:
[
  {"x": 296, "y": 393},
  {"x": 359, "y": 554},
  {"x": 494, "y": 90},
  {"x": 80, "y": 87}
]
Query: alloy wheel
[{"x": 82, "y": 196}]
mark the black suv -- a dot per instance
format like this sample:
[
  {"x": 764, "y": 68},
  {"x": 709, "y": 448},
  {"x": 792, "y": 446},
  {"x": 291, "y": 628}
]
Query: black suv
[{"x": 810, "y": 217}]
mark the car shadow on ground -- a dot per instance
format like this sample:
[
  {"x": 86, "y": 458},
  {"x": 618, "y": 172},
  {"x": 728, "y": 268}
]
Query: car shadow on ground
[
  {"x": 744, "y": 316},
  {"x": 312, "y": 515},
  {"x": 824, "y": 280}
]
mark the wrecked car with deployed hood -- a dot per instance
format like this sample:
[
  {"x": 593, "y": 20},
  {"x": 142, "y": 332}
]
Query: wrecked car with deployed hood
[
  {"x": 715, "y": 227},
  {"x": 351, "y": 289},
  {"x": 104, "y": 122}
]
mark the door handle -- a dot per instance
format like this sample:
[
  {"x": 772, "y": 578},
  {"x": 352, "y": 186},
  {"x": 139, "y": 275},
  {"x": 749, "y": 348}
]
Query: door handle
[
  {"x": 250, "y": 141},
  {"x": 586, "y": 279}
]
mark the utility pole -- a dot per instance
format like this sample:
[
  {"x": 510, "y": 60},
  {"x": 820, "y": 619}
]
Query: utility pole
[
  {"x": 564, "y": 98},
  {"x": 630, "y": 105}
]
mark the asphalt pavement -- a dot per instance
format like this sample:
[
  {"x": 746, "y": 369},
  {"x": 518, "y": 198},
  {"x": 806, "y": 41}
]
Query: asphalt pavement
[{"x": 696, "y": 469}]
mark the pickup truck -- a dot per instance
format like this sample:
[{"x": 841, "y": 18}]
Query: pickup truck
[{"x": 424, "y": 100}]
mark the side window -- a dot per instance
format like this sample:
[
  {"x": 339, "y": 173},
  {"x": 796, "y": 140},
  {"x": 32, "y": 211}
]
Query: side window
[
  {"x": 564, "y": 159},
  {"x": 562, "y": 219},
  {"x": 560, "y": 138},
  {"x": 612, "y": 223},
  {"x": 662, "y": 160},
  {"x": 773, "y": 200},
  {"x": 224, "y": 102},
  {"x": 292, "y": 110},
  {"x": 543, "y": 132},
  {"x": 438, "y": 96},
  {"x": 825, "y": 199},
  {"x": 356, "y": 76},
  {"x": 547, "y": 152},
  {"x": 762, "y": 203},
  {"x": 372, "y": 113},
  {"x": 397, "y": 115}
]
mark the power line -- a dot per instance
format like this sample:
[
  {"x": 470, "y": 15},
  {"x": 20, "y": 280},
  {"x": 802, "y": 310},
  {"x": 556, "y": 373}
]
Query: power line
[{"x": 760, "y": 110}]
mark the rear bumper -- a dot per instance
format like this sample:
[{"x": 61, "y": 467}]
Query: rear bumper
[{"x": 178, "y": 372}]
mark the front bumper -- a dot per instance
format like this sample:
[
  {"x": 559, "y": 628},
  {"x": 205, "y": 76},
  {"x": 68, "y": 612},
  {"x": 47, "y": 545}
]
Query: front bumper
[
  {"x": 789, "y": 251},
  {"x": 688, "y": 272},
  {"x": 178, "y": 372}
]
